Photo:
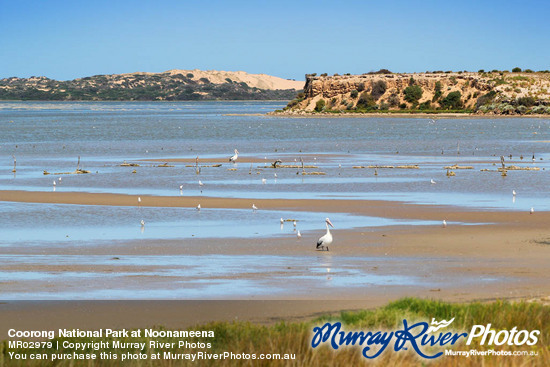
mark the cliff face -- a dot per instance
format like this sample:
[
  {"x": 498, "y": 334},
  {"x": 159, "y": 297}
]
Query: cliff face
[
  {"x": 469, "y": 91},
  {"x": 170, "y": 85}
]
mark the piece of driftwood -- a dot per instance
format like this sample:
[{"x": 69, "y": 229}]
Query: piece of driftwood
[
  {"x": 518, "y": 168},
  {"x": 77, "y": 172},
  {"x": 459, "y": 167}
]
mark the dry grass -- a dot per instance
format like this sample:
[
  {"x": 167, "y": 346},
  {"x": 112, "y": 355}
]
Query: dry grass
[{"x": 295, "y": 338}]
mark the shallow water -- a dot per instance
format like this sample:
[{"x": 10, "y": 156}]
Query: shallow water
[
  {"x": 52, "y": 135},
  {"x": 210, "y": 277}
]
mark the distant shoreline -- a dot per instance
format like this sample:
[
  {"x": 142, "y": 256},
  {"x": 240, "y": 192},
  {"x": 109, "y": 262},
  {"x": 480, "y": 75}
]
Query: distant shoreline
[{"x": 399, "y": 115}]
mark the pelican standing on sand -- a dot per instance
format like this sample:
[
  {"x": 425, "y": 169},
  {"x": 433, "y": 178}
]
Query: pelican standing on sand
[
  {"x": 233, "y": 158},
  {"x": 326, "y": 240}
]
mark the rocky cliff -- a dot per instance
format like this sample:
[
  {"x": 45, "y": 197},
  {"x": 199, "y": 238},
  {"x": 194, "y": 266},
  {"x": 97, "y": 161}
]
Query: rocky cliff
[
  {"x": 171, "y": 85},
  {"x": 492, "y": 92}
]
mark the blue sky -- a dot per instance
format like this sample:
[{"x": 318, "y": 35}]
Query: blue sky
[{"x": 69, "y": 39}]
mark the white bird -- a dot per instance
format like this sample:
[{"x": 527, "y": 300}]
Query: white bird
[
  {"x": 282, "y": 221},
  {"x": 444, "y": 223},
  {"x": 139, "y": 200},
  {"x": 199, "y": 207},
  {"x": 264, "y": 181},
  {"x": 59, "y": 179},
  {"x": 294, "y": 223},
  {"x": 181, "y": 187},
  {"x": 142, "y": 223},
  {"x": 254, "y": 207},
  {"x": 432, "y": 181},
  {"x": 200, "y": 183},
  {"x": 299, "y": 235},
  {"x": 514, "y": 192},
  {"x": 234, "y": 157},
  {"x": 275, "y": 175},
  {"x": 532, "y": 210},
  {"x": 54, "y": 183},
  {"x": 326, "y": 240}
]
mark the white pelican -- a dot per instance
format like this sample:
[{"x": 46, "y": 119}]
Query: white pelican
[
  {"x": 514, "y": 192},
  {"x": 532, "y": 210},
  {"x": 199, "y": 207},
  {"x": 299, "y": 235},
  {"x": 254, "y": 207},
  {"x": 444, "y": 223},
  {"x": 142, "y": 223},
  {"x": 326, "y": 240},
  {"x": 432, "y": 181},
  {"x": 234, "y": 157}
]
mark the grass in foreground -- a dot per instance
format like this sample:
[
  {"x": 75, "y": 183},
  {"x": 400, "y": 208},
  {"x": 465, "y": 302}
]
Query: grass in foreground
[{"x": 295, "y": 338}]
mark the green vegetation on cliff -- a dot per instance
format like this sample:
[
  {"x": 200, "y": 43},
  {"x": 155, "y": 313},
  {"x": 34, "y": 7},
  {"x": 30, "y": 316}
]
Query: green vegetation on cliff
[{"x": 496, "y": 92}]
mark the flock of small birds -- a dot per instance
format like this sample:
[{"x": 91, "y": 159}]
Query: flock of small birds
[{"x": 323, "y": 241}]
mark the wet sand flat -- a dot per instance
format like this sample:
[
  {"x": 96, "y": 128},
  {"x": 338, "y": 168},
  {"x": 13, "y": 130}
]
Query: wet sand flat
[{"x": 505, "y": 257}]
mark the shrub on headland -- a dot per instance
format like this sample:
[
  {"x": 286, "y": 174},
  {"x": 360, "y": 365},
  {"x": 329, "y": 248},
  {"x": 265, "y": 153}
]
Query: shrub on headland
[
  {"x": 413, "y": 93},
  {"x": 366, "y": 102},
  {"x": 320, "y": 105},
  {"x": 378, "y": 89},
  {"x": 453, "y": 101}
]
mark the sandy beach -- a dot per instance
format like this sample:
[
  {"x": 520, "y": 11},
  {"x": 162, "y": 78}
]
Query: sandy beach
[{"x": 511, "y": 248}]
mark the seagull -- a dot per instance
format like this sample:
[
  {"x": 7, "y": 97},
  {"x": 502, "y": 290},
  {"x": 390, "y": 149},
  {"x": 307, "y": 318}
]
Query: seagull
[
  {"x": 326, "y": 240},
  {"x": 264, "y": 181},
  {"x": 200, "y": 183},
  {"x": 181, "y": 187},
  {"x": 282, "y": 221},
  {"x": 432, "y": 181},
  {"x": 54, "y": 183},
  {"x": 59, "y": 179},
  {"x": 299, "y": 235},
  {"x": 275, "y": 175},
  {"x": 142, "y": 223},
  {"x": 532, "y": 210},
  {"x": 254, "y": 207},
  {"x": 199, "y": 207},
  {"x": 514, "y": 192},
  {"x": 444, "y": 223},
  {"x": 294, "y": 223},
  {"x": 234, "y": 157},
  {"x": 139, "y": 200}
]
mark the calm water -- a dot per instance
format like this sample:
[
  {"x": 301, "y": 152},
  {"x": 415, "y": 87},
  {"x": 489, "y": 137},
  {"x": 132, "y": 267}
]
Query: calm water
[{"x": 51, "y": 136}]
